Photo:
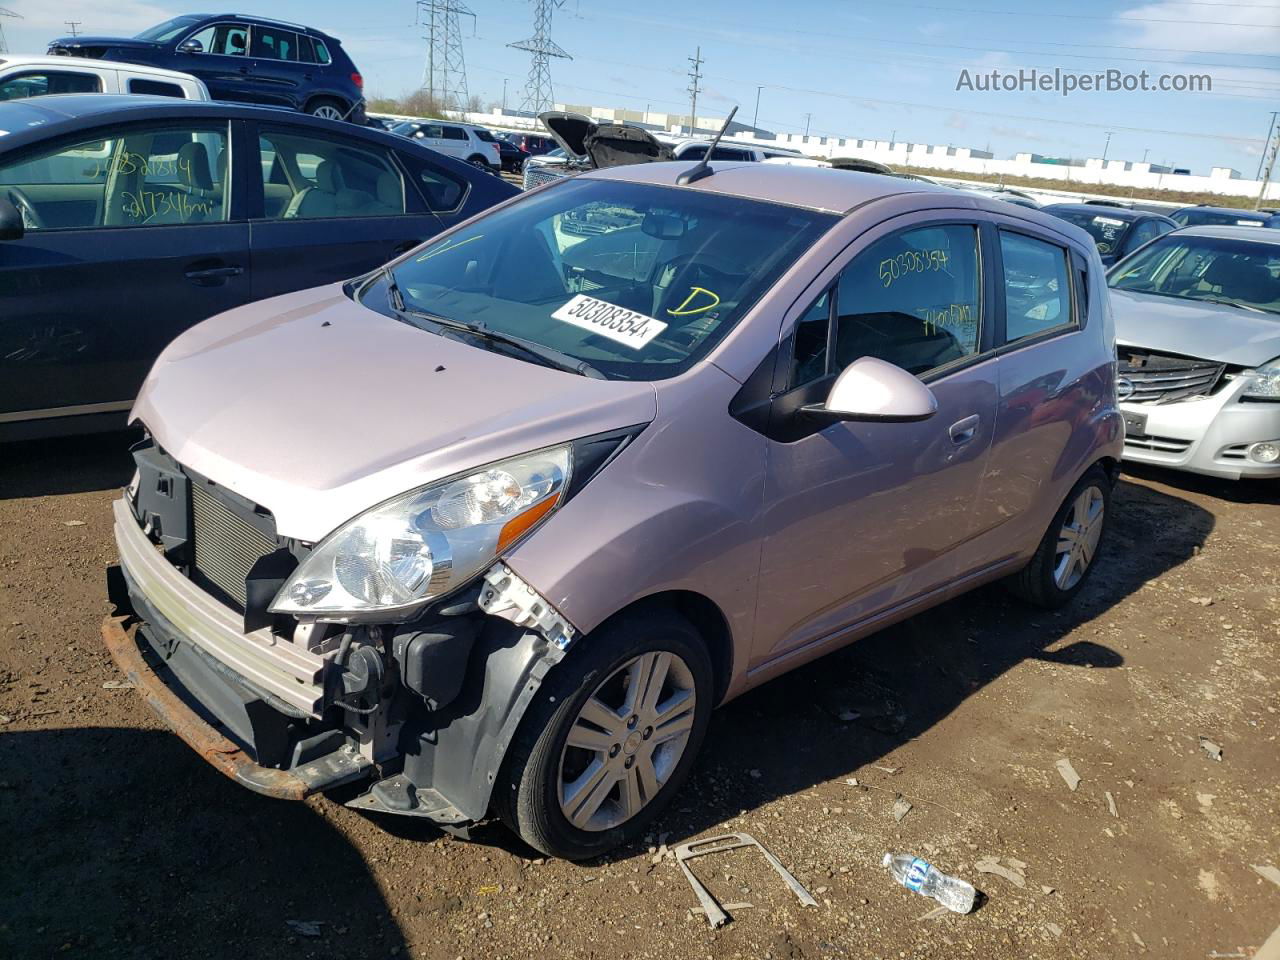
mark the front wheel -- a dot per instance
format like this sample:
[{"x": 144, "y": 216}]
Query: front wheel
[
  {"x": 326, "y": 110},
  {"x": 611, "y": 737},
  {"x": 1066, "y": 555}
]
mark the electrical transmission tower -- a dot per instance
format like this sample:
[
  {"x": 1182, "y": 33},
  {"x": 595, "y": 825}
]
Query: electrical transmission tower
[
  {"x": 444, "y": 76},
  {"x": 695, "y": 75},
  {"x": 538, "y": 95},
  {"x": 4, "y": 47}
]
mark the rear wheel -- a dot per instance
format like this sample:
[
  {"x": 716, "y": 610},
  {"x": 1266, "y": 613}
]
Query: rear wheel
[
  {"x": 480, "y": 163},
  {"x": 325, "y": 109},
  {"x": 1065, "y": 558},
  {"x": 611, "y": 737}
]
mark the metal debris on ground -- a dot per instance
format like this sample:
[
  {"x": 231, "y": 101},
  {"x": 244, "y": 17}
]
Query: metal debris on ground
[
  {"x": 1212, "y": 749},
  {"x": 715, "y": 913},
  {"x": 900, "y": 809},
  {"x": 1111, "y": 804},
  {"x": 992, "y": 865},
  {"x": 1267, "y": 873},
  {"x": 1068, "y": 773},
  {"x": 305, "y": 928},
  {"x": 729, "y": 907}
]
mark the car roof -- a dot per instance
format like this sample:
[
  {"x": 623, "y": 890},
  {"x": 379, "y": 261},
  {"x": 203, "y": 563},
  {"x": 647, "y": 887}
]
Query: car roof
[
  {"x": 1234, "y": 211},
  {"x": 38, "y": 118},
  {"x": 819, "y": 188},
  {"x": 1101, "y": 210},
  {"x": 1225, "y": 231}
]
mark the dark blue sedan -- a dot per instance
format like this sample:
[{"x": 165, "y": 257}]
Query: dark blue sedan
[
  {"x": 1117, "y": 231},
  {"x": 126, "y": 220}
]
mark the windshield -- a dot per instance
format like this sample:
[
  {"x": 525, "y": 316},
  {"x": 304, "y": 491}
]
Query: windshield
[
  {"x": 637, "y": 280},
  {"x": 1107, "y": 232},
  {"x": 1205, "y": 268},
  {"x": 164, "y": 32},
  {"x": 1214, "y": 218}
]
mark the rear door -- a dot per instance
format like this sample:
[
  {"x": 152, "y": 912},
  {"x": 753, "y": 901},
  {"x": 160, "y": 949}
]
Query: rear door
[
  {"x": 330, "y": 206},
  {"x": 134, "y": 234},
  {"x": 274, "y": 68}
]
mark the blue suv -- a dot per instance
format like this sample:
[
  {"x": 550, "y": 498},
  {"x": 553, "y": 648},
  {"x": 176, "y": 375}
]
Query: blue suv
[{"x": 242, "y": 59}]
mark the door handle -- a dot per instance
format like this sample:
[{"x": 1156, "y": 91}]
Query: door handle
[
  {"x": 212, "y": 275},
  {"x": 962, "y": 431}
]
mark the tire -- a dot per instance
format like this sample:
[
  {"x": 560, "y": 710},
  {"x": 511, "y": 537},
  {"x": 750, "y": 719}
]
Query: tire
[
  {"x": 480, "y": 163},
  {"x": 326, "y": 109},
  {"x": 1061, "y": 565},
  {"x": 624, "y": 780}
]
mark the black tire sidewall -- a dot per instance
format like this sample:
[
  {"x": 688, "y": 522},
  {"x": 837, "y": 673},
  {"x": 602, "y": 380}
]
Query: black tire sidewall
[
  {"x": 1047, "y": 586},
  {"x": 530, "y": 783}
]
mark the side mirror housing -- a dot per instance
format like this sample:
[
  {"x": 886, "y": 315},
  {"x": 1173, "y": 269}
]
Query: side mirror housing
[
  {"x": 874, "y": 391},
  {"x": 191, "y": 46},
  {"x": 11, "y": 225}
]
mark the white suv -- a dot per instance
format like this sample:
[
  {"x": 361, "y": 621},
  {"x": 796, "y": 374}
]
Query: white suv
[
  {"x": 22, "y": 77},
  {"x": 728, "y": 150},
  {"x": 472, "y": 144}
]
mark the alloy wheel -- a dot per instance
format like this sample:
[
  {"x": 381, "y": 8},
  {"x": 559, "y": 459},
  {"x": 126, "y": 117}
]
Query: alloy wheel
[
  {"x": 1078, "y": 538},
  {"x": 327, "y": 111},
  {"x": 627, "y": 741}
]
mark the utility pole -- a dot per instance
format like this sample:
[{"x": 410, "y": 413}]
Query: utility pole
[
  {"x": 73, "y": 26},
  {"x": 695, "y": 75},
  {"x": 539, "y": 94},
  {"x": 1270, "y": 130},
  {"x": 1144, "y": 154},
  {"x": 1106, "y": 146},
  {"x": 445, "y": 74},
  {"x": 755, "y": 121},
  {"x": 1266, "y": 177},
  {"x": 807, "y": 118}
]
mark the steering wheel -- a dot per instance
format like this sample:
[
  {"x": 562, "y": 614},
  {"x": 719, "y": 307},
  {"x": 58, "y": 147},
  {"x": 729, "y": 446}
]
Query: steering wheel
[
  {"x": 30, "y": 219},
  {"x": 713, "y": 276}
]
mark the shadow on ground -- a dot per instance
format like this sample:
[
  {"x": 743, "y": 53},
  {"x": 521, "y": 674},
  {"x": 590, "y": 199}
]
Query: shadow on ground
[
  {"x": 40, "y": 468},
  {"x": 123, "y": 844}
]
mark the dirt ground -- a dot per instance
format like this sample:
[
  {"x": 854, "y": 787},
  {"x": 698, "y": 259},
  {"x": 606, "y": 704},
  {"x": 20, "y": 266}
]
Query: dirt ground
[{"x": 119, "y": 842}]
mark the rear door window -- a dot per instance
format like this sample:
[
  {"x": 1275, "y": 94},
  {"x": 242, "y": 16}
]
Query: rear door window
[
  {"x": 42, "y": 82},
  {"x": 326, "y": 178},
  {"x": 270, "y": 43},
  {"x": 1037, "y": 286},
  {"x": 455, "y": 133}
]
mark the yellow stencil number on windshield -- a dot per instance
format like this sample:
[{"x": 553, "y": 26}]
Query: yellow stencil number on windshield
[{"x": 692, "y": 305}]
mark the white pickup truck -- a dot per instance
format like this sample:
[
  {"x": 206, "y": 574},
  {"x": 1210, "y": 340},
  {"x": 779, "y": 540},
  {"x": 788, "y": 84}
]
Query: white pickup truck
[{"x": 22, "y": 77}]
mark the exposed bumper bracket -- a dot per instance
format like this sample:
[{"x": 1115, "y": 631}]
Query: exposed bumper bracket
[
  {"x": 222, "y": 754},
  {"x": 505, "y": 595}
]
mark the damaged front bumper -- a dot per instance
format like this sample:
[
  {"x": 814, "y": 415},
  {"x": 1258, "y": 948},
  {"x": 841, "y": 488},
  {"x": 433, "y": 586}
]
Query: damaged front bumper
[{"x": 274, "y": 711}]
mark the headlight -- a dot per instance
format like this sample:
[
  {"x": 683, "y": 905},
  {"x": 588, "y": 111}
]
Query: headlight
[
  {"x": 1264, "y": 382},
  {"x": 427, "y": 542}
]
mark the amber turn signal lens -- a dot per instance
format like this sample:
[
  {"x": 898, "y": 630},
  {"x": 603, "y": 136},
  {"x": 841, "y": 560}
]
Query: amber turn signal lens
[{"x": 519, "y": 525}]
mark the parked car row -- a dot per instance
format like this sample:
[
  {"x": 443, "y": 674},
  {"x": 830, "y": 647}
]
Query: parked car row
[{"x": 476, "y": 502}]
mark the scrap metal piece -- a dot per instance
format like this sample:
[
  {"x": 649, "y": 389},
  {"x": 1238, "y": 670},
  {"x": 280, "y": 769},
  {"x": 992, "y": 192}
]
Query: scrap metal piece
[
  {"x": 716, "y": 915},
  {"x": 505, "y": 595}
]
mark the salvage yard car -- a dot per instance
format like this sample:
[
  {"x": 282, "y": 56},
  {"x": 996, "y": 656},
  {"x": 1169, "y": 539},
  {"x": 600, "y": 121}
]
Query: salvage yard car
[
  {"x": 493, "y": 528},
  {"x": 1118, "y": 231},
  {"x": 24, "y": 77},
  {"x": 1198, "y": 326},
  {"x": 126, "y": 219}
]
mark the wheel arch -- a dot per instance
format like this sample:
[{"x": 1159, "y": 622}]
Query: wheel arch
[{"x": 316, "y": 98}]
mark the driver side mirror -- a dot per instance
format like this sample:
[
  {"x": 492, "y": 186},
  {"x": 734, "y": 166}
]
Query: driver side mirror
[
  {"x": 191, "y": 46},
  {"x": 11, "y": 225},
  {"x": 874, "y": 391}
]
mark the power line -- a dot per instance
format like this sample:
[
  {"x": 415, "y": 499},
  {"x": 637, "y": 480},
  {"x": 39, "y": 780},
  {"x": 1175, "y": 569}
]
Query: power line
[
  {"x": 1076, "y": 16},
  {"x": 5, "y": 12},
  {"x": 73, "y": 26},
  {"x": 444, "y": 75}
]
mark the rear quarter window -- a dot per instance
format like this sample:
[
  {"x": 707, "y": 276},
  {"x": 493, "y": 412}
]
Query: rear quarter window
[{"x": 156, "y": 88}]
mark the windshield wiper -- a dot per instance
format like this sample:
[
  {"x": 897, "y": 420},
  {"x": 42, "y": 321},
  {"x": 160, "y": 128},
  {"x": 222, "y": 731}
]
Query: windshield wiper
[
  {"x": 1233, "y": 303},
  {"x": 537, "y": 352}
]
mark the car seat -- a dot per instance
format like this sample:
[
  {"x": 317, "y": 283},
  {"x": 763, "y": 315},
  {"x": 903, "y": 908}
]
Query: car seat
[
  {"x": 1244, "y": 278},
  {"x": 320, "y": 200}
]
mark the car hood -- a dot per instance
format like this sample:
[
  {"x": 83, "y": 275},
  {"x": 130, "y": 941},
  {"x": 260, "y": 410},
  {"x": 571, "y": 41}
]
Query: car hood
[
  {"x": 318, "y": 408},
  {"x": 605, "y": 144},
  {"x": 1193, "y": 328},
  {"x": 81, "y": 41}
]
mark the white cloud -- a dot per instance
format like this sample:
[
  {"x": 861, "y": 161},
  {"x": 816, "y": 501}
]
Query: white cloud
[
  {"x": 1170, "y": 25},
  {"x": 122, "y": 17}
]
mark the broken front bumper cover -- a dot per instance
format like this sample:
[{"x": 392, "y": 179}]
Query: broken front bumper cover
[{"x": 120, "y": 637}]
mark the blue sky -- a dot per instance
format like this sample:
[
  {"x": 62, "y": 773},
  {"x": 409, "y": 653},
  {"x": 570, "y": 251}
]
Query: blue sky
[{"x": 869, "y": 70}]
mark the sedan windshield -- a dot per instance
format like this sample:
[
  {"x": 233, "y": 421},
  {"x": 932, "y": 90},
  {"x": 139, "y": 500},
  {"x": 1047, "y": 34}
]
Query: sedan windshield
[
  {"x": 638, "y": 281},
  {"x": 164, "y": 32},
  {"x": 1216, "y": 269},
  {"x": 1107, "y": 232}
]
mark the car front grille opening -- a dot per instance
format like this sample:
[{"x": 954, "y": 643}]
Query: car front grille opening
[
  {"x": 1237, "y": 451},
  {"x": 226, "y": 546},
  {"x": 1157, "y": 444},
  {"x": 1163, "y": 378}
]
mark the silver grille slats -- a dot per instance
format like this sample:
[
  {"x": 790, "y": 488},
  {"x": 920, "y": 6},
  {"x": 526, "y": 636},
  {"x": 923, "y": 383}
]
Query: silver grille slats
[
  {"x": 1161, "y": 378},
  {"x": 226, "y": 547}
]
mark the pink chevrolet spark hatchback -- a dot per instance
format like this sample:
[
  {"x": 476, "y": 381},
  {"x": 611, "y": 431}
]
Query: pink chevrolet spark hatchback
[{"x": 493, "y": 529}]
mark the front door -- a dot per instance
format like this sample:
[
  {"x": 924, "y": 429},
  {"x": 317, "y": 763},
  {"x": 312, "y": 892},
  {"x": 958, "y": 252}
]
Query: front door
[
  {"x": 862, "y": 517},
  {"x": 223, "y": 61},
  {"x": 130, "y": 240}
]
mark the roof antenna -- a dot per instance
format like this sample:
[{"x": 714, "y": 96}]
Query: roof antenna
[{"x": 703, "y": 167}]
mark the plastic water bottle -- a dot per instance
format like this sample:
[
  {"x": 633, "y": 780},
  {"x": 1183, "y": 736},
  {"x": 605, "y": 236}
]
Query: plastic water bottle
[{"x": 926, "y": 880}]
